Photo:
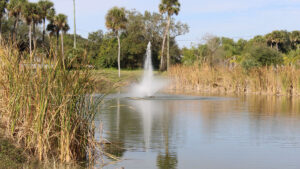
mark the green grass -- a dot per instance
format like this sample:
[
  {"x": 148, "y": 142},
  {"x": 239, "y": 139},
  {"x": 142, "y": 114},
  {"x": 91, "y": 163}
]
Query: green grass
[{"x": 107, "y": 80}]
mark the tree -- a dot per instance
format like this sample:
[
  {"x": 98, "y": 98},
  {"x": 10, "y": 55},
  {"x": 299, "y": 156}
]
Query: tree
[
  {"x": 279, "y": 38},
  {"x": 170, "y": 7},
  {"x": 47, "y": 7},
  {"x": 295, "y": 39},
  {"x": 261, "y": 56},
  {"x": 36, "y": 19},
  {"x": 3, "y": 5},
  {"x": 15, "y": 7},
  {"x": 95, "y": 41},
  {"x": 28, "y": 16},
  {"x": 213, "y": 45},
  {"x": 116, "y": 21},
  {"x": 57, "y": 25}
]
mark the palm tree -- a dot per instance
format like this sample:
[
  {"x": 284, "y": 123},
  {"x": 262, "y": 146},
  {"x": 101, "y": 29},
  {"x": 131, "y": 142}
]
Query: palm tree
[
  {"x": 295, "y": 39},
  {"x": 27, "y": 14},
  {"x": 52, "y": 28},
  {"x": 3, "y": 4},
  {"x": 37, "y": 19},
  {"x": 170, "y": 7},
  {"x": 116, "y": 21},
  {"x": 277, "y": 38},
  {"x": 46, "y": 7},
  {"x": 15, "y": 7},
  {"x": 57, "y": 25}
]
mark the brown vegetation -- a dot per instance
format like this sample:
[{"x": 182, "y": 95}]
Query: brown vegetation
[
  {"x": 284, "y": 80},
  {"x": 46, "y": 110}
]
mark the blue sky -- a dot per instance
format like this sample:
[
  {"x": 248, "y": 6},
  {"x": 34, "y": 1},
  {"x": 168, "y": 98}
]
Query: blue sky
[{"x": 230, "y": 18}]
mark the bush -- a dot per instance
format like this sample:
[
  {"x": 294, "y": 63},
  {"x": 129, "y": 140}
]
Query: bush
[
  {"x": 258, "y": 56},
  {"x": 75, "y": 58}
]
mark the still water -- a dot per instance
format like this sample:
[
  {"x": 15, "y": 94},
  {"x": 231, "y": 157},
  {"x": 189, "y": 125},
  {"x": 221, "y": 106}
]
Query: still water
[{"x": 185, "y": 132}]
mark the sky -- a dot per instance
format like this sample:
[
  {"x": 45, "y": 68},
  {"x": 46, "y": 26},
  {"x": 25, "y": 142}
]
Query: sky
[{"x": 230, "y": 18}]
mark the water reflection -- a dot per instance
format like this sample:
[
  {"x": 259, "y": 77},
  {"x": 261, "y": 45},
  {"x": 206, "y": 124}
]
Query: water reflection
[{"x": 208, "y": 133}]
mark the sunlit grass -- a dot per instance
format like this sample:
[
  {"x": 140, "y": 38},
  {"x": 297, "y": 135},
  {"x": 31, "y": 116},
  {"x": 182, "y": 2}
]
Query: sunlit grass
[{"x": 265, "y": 80}]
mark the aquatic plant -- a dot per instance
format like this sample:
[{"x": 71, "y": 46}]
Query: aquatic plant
[
  {"x": 281, "y": 80},
  {"x": 46, "y": 108}
]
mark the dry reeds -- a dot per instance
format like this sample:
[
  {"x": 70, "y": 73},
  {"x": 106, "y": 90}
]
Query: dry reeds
[
  {"x": 283, "y": 80},
  {"x": 46, "y": 109}
]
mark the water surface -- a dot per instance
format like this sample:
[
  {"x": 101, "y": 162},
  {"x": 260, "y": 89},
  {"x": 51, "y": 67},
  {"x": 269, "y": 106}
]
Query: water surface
[{"x": 175, "y": 131}]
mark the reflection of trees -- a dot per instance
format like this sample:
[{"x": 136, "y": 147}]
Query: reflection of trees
[{"x": 167, "y": 160}]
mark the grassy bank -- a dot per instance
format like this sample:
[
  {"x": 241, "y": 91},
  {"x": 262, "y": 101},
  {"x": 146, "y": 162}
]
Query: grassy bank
[
  {"x": 265, "y": 80},
  {"x": 45, "y": 110},
  {"x": 107, "y": 80}
]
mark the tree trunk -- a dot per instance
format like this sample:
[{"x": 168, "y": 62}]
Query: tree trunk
[
  {"x": 62, "y": 49},
  {"x": 168, "y": 44},
  {"x": 162, "y": 59},
  {"x": 119, "y": 55},
  {"x": 44, "y": 29},
  {"x": 29, "y": 35},
  {"x": 57, "y": 46},
  {"x": 34, "y": 39},
  {"x": 14, "y": 30},
  {"x": 0, "y": 29},
  {"x": 277, "y": 48},
  {"x": 74, "y": 24}
]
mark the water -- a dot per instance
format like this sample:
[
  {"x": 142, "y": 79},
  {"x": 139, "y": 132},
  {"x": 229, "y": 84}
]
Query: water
[
  {"x": 168, "y": 131},
  {"x": 149, "y": 84}
]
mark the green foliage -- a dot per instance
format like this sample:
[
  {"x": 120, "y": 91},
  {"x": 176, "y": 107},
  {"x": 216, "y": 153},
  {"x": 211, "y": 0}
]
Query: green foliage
[
  {"x": 108, "y": 53},
  {"x": 116, "y": 19},
  {"x": 74, "y": 58},
  {"x": 292, "y": 58},
  {"x": 275, "y": 48},
  {"x": 279, "y": 39},
  {"x": 261, "y": 56},
  {"x": 170, "y": 7},
  {"x": 249, "y": 62},
  {"x": 190, "y": 56},
  {"x": 3, "y": 5}
]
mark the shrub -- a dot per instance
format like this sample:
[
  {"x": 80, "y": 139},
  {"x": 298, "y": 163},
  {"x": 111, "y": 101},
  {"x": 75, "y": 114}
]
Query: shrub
[{"x": 257, "y": 56}]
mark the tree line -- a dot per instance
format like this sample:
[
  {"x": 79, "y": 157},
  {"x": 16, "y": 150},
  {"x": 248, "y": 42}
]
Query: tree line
[
  {"x": 19, "y": 16},
  {"x": 276, "y": 48},
  {"x": 25, "y": 24}
]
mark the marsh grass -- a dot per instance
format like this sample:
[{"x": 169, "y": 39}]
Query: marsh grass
[
  {"x": 283, "y": 80},
  {"x": 47, "y": 109}
]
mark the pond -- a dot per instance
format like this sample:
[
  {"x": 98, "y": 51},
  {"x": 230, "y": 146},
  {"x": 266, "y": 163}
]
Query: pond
[{"x": 209, "y": 132}]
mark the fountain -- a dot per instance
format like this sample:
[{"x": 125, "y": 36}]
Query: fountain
[{"x": 149, "y": 84}]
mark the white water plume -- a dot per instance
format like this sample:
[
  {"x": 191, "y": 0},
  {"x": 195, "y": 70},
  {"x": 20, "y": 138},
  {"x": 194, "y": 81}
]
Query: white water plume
[{"x": 149, "y": 84}]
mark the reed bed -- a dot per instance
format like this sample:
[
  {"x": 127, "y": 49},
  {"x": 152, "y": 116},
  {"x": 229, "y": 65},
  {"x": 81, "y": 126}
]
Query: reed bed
[
  {"x": 283, "y": 80},
  {"x": 46, "y": 110}
]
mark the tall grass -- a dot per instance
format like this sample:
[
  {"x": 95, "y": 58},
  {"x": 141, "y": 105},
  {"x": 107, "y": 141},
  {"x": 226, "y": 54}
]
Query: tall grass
[
  {"x": 283, "y": 80},
  {"x": 46, "y": 108}
]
